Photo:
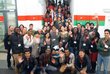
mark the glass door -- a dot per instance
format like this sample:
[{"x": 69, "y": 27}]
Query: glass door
[
  {"x": 2, "y": 31},
  {"x": 8, "y": 16}
]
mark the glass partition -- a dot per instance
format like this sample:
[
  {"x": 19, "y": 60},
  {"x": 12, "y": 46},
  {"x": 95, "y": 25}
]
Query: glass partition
[{"x": 7, "y": 17}]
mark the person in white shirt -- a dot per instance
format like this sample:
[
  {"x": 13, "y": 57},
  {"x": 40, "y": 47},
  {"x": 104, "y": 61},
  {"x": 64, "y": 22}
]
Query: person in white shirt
[
  {"x": 35, "y": 46},
  {"x": 28, "y": 40}
]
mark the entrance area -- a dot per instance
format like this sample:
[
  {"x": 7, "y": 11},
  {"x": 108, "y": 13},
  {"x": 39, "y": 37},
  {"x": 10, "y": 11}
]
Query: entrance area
[{"x": 7, "y": 17}]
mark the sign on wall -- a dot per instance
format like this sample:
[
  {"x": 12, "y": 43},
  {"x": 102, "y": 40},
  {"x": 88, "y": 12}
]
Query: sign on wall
[{"x": 83, "y": 19}]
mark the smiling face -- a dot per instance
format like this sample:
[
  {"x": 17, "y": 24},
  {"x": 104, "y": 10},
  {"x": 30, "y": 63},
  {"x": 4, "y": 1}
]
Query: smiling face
[
  {"x": 62, "y": 28},
  {"x": 86, "y": 32},
  {"x": 21, "y": 27},
  {"x": 75, "y": 30},
  {"x": 78, "y": 26},
  {"x": 31, "y": 26},
  {"x": 24, "y": 30},
  {"x": 47, "y": 35},
  {"x": 27, "y": 54},
  {"x": 67, "y": 53},
  {"x": 107, "y": 34},
  {"x": 11, "y": 28},
  {"x": 81, "y": 54},
  {"x": 17, "y": 30}
]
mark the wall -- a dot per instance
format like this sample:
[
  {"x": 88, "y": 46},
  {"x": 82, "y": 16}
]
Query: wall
[
  {"x": 31, "y": 11},
  {"x": 91, "y": 7}
]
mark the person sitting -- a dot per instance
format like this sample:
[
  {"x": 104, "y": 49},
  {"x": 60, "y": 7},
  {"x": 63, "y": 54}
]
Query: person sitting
[
  {"x": 48, "y": 62},
  {"x": 68, "y": 65}
]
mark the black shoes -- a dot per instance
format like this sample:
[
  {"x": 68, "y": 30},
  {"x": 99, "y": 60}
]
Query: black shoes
[{"x": 10, "y": 68}]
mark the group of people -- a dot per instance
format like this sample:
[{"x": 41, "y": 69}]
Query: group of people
[{"x": 58, "y": 46}]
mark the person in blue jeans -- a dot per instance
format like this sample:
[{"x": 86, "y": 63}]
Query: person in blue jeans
[{"x": 103, "y": 47}]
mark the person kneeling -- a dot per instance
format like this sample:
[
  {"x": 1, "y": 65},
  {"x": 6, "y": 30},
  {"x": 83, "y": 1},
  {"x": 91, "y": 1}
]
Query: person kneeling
[
  {"x": 68, "y": 65},
  {"x": 27, "y": 64},
  {"x": 82, "y": 63}
]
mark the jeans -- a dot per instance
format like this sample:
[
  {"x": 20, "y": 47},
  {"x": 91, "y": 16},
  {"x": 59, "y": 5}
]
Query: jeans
[
  {"x": 105, "y": 60},
  {"x": 74, "y": 51},
  {"x": 49, "y": 69},
  {"x": 45, "y": 70}
]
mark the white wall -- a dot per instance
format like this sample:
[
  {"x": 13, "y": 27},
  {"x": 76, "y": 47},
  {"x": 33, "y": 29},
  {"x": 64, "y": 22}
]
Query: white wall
[
  {"x": 91, "y": 7},
  {"x": 78, "y": 7},
  {"x": 31, "y": 7}
]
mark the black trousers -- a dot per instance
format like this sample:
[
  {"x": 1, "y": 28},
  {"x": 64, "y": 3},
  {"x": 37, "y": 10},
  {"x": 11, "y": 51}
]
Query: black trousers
[{"x": 8, "y": 57}]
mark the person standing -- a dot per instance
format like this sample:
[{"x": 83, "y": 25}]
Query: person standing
[
  {"x": 93, "y": 50},
  {"x": 7, "y": 45},
  {"x": 17, "y": 46},
  {"x": 31, "y": 29},
  {"x": 85, "y": 42},
  {"x": 103, "y": 52},
  {"x": 28, "y": 40}
]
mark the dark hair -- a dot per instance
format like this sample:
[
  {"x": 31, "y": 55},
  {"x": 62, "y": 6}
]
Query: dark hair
[
  {"x": 16, "y": 28},
  {"x": 67, "y": 49},
  {"x": 87, "y": 23},
  {"x": 21, "y": 25},
  {"x": 107, "y": 30},
  {"x": 26, "y": 50},
  {"x": 91, "y": 24},
  {"x": 83, "y": 26},
  {"x": 74, "y": 29},
  {"x": 82, "y": 50},
  {"x": 31, "y": 24},
  {"x": 86, "y": 30},
  {"x": 78, "y": 23},
  {"x": 25, "y": 27},
  {"x": 10, "y": 26}
]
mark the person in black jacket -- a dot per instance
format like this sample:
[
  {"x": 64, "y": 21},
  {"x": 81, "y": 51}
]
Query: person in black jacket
[
  {"x": 7, "y": 45},
  {"x": 27, "y": 64},
  {"x": 17, "y": 45},
  {"x": 82, "y": 62},
  {"x": 74, "y": 40},
  {"x": 93, "y": 50},
  {"x": 85, "y": 42}
]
